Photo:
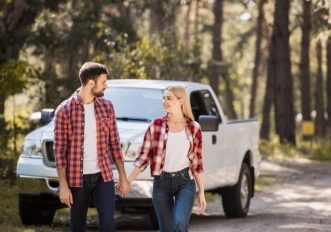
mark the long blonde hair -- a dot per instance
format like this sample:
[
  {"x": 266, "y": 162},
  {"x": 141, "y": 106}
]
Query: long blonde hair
[{"x": 181, "y": 93}]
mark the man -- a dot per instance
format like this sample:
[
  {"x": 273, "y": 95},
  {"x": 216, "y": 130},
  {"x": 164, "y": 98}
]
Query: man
[{"x": 86, "y": 142}]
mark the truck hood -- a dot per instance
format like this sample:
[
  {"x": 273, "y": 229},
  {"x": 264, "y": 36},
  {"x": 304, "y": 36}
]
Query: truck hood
[{"x": 130, "y": 132}]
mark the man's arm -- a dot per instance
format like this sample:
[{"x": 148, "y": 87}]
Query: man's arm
[
  {"x": 60, "y": 152},
  {"x": 65, "y": 193},
  {"x": 116, "y": 151}
]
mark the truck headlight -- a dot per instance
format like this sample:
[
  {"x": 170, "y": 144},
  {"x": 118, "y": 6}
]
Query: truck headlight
[
  {"x": 32, "y": 149},
  {"x": 131, "y": 150}
]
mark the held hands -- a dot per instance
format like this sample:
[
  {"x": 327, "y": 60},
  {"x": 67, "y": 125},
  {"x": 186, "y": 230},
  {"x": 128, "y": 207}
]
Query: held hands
[
  {"x": 202, "y": 202},
  {"x": 66, "y": 196},
  {"x": 123, "y": 187}
]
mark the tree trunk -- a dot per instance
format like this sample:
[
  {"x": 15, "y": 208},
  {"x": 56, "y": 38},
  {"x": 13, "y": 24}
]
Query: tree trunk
[
  {"x": 196, "y": 21},
  {"x": 304, "y": 62},
  {"x": 216, "y": 69},
  {"x": 157, "y": 15},
  {"x": 284, "y": 109},
  {"x": 257, "y": 58},
  {"x": 187, "y": 27},
  {"x": 270, "y": 89},
  {"x": 328, "y": 87},
  {"x": 319, "y": 99},
  {"x": 3, "y": 131}
]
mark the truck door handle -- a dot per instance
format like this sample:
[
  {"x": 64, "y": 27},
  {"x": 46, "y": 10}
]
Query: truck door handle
[{"x": 213, "y": 139}]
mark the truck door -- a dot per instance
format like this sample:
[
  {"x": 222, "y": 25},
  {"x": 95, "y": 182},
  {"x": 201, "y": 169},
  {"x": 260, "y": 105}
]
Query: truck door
[{"x": 214, "y": 144}]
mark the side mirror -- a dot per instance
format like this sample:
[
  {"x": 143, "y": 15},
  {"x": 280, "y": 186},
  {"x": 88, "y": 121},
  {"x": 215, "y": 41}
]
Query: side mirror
[
  {"x": 209, "y": 122},
  {"x": 46, "y": 116}
]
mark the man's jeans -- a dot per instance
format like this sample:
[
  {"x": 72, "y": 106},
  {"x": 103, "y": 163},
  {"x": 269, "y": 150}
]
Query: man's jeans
[
  {"x": 173, "y": 198},
  {"x": 103, "y": 194}
]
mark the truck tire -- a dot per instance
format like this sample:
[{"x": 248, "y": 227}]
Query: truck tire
[
  {"x": 33, "y": 212},
  {"x": 153, "y": 217},
  {"x": 236, "y": 199}
]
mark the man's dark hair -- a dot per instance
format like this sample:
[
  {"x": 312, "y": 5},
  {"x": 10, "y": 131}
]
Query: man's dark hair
[{"x": 91, "y": 70}]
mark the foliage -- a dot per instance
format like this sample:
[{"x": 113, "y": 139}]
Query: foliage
[
  {"x": 150, "y": 60},
  {"x": 15, "y": 75}
]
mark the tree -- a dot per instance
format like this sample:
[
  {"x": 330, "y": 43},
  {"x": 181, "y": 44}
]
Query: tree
[
  {"x": 305, "y": 62},
  {"x": 257, "y": 58},
  {"x": 17, "y": 18},
  {"x": 217, "y": 68},
  {"x": 319, "y": 96},
  {"x": 328, "y": 84},
  {"x": 280, "y": 78}
]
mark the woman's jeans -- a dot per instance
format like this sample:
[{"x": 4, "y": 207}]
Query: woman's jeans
[
  {"x": 173, "y": 198},
  {"x": 103, "y": 194}
]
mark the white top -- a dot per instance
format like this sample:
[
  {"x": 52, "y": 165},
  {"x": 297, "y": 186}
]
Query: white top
[
  {"x": 176, "y": 157},
  {"x": 90, "y": 164}
]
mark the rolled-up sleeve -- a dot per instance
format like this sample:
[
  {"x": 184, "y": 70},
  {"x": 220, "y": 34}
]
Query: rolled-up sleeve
[
  {"x": 114, "y": 138},
  {"x": 142, "y": 159},
  {"x": 60, "y": 138},
  {"x": 198, "y": 151}
]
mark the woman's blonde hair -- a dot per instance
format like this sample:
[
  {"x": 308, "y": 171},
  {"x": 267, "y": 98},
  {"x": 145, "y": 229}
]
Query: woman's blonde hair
[{"x": 181, "y": 93}]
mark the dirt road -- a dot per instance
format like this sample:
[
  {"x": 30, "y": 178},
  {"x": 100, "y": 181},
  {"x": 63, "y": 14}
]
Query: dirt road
[{"x": 298, "y": 200}]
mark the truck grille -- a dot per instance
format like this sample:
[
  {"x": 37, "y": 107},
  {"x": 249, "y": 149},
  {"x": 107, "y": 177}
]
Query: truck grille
[{"x": 48, "y": 154}]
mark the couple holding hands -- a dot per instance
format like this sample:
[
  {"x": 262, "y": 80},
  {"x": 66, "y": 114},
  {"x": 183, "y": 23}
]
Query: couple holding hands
[{"x": 86, "y": 142}]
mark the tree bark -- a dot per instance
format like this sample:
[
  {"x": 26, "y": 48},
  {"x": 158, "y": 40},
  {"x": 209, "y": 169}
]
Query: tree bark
[
  {"x": 196, "y": 21},
  {"x": 269, "y": 93},
  {"x": 319, "y": 99},
  {"x": 284, "y": 108},
  {"x": 305, "y": 63},
  {"x": 328, "y": 86},
  {"x": 215, "y": 66},
  {"x": 257, "y": 58},
  {"x": 187, "y": 27}
]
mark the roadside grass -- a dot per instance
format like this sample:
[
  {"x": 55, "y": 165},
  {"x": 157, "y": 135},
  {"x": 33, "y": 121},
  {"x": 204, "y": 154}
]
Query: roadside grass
[{"x": 318, "y": 149}]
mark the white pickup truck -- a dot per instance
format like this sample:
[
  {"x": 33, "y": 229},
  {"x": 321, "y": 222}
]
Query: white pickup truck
[{"x": 230, "y": 151}]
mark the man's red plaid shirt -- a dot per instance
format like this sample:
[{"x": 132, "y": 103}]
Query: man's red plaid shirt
[
  {"x": 153, "y": 149},
  {"x": 69, "y": 138}
]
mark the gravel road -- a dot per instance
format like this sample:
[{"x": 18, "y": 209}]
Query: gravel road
[{"x": 297, "y": 198}]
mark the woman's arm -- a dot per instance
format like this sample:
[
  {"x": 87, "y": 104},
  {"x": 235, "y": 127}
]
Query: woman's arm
[{"x": 202, "y": 200}]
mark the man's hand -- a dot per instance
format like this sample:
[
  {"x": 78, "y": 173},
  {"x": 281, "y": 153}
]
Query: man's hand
[
  {"x": 66, "y": 196},
  {"x": 123, "y": 186}
]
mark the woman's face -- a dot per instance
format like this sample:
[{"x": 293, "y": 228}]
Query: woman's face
[{"x": 170, "y": 102}]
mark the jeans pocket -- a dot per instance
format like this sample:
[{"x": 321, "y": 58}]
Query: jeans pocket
[
  {"x": 158, "y": 179},
  {"x": 185, "y": 176}
]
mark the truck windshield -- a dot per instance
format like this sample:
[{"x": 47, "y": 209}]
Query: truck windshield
[{"x": 135, "y": 104}]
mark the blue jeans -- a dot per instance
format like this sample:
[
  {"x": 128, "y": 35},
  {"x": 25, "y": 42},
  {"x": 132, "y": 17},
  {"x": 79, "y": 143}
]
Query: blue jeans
[
  {"x": 103, "y": 194},
  {"x": 173, "y": 198}
]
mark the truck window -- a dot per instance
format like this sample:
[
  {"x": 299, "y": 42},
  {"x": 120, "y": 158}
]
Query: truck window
[{"x": 202, "y": 103}]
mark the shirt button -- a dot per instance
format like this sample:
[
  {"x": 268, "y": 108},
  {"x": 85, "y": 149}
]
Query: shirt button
[
  {"x": 82, "y": 135},
  {"x": 81, "y": 159},
  {"x": 81, "y": 170},
  {"x": 82, "y": 146}
]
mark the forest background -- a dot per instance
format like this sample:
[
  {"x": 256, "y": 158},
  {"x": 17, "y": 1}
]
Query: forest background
[{"x": 265, "y": 59}]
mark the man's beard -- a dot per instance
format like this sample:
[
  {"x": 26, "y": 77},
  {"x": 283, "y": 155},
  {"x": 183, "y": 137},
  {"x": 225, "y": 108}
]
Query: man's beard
[{"x": 96, "y": 93}]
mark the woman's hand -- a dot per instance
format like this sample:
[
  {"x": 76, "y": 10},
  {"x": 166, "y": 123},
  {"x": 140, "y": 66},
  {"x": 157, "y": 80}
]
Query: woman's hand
[{"x": 202, "y": 202}]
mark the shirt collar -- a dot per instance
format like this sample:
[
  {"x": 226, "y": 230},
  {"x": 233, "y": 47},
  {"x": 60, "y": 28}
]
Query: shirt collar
[{"x": 78, "y": 99}]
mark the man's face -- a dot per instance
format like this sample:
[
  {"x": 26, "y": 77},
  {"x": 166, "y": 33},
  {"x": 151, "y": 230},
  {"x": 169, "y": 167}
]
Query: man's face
[{"x": 100, "y": 86}]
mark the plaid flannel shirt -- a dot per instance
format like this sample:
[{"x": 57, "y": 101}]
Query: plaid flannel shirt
[
  {"x": 153, "y": 149},
  {"x": 69, "y": 138}
]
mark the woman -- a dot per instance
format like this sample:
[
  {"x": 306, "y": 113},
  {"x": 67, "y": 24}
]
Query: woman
[{"x": 172, "y": 145}]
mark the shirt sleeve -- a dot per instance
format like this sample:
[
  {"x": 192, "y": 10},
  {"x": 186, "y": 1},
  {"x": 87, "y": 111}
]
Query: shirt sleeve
[
  {"x": 142, "y": 159},
  {"x": 198, "y": 150},
  {"x": 114, "y": 138},
  {"x": 60, "y": 138}
]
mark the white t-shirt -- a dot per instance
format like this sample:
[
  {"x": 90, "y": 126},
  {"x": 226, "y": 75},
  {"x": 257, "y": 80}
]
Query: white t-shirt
[
  {"x": 90, "y": 165},
  {"x": 176, "y": 157}
]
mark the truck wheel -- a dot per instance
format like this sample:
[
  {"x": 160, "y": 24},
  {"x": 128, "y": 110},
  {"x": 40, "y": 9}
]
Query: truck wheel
[
  {"x": 236, "y": 199},
  {"x": 32, "y": 212},
  {"x": 153, "y": 217}
]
